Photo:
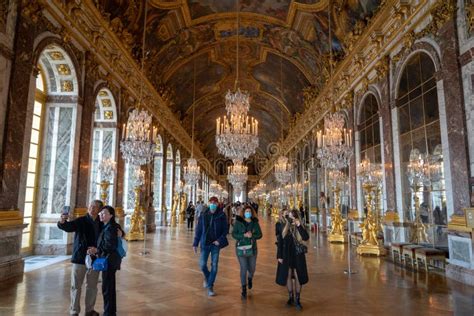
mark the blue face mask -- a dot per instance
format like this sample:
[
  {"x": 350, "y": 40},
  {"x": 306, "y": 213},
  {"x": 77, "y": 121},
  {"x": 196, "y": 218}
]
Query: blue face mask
[
  {"x": 213, "y": 207},
  {"x": 248, "y": 215}
]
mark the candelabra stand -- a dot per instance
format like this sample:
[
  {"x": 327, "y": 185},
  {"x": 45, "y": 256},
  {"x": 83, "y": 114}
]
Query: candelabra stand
[
  {"x": 370, "y": 244},
  {"x": 419, "y": 234},
  {"x": 337, "y": 222},
  {"x": 136, "y": 223},
  {"x": 104, "y": 191}
]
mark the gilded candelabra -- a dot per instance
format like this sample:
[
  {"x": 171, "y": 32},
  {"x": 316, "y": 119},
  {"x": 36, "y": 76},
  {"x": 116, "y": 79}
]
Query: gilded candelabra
[
  {"x": 136, "y": 223},
  {"x": 137, "y": 220},
  {"x": 370, "y": 245},
  {"x": 419, "y": 234},
  {"x": 337, "y": 222},
  {"x": 107, "y": 168},
  {"x": 104, "y": 191}
]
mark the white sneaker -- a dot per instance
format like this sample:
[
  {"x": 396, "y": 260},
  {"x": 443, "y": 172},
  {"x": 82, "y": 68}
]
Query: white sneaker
[
  {"x": 204, "y": 283},
  {"x": 210, "y": 292}
]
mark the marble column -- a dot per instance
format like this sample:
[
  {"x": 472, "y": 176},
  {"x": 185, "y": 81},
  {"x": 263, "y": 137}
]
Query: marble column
[
  {"x": 84, "y": 145},
  {"x": 387, "y": 146},
  {"x": 14, "y": 135},
  {"x": 455, "y": 118}
]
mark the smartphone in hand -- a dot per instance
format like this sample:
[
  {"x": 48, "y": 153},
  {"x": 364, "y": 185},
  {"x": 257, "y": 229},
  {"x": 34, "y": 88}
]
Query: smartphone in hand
[{"x": 66, "y": 210}]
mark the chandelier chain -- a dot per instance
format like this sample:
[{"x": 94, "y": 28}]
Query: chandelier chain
[
  {"x": 236, "y": 84},
  {"x": 142, "y": 67}
]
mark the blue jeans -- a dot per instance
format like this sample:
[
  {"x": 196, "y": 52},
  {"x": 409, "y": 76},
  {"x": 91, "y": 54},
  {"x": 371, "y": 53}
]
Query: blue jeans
[{"x": 214, "y": 252}]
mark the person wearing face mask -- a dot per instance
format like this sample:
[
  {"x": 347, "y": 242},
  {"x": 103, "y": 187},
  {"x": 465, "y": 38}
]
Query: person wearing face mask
[
  {"x": 107, "y": 247},
  {"x": 246, "y": 233},
  {"x": 211, "y": 234},
  {"x": 292, "y": 271}
]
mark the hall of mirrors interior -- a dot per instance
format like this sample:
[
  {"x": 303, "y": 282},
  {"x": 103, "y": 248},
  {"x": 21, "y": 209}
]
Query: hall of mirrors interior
[{"x": 358, "y": 113}]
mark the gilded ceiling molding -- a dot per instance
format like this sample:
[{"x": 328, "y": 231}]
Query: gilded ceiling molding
[
  {"x": 84, "y": 23},
  {"x": 250, "y": 16},
  {"x": 394, "y": 22}
]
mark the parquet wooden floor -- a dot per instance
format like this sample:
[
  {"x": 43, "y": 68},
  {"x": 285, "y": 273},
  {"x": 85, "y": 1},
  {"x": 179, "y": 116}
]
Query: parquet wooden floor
[{"x": 168, "y": 282}]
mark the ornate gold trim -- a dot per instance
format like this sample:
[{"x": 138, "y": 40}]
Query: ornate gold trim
[
  {"x": 459, "y": 223},
  {"x": 10, "y": 218},
  {"x": 80, "y": 211},
  {"x": 391, "y": 217}
]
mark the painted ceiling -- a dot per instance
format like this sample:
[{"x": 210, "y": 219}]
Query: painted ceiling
[{"x": 291, "y": 35}]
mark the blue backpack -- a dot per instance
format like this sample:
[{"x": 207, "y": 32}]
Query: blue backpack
[{"x": 122, "y": 247}]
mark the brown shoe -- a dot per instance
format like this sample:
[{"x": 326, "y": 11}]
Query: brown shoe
[{"x": 92, "y": 313}]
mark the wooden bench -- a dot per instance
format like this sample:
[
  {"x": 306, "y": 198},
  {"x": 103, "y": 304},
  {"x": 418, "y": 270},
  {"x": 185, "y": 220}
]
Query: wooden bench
[
  {"x": 425, "y": 256},
  {"x": 408, "y": 252},
  {"x": 396, "y": 248}
]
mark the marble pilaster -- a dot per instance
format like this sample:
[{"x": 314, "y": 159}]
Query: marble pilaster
[
  {"x": 10, "y": 163},
  {"x": 455, "y": 119},
  {"x": 84, "y": 145},
  {"x": 387, "y": 145}
]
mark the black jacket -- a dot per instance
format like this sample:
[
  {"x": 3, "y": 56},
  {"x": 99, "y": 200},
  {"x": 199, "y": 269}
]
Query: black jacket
[
  {"x": 284, "y": 252},
  {"x": 213, "y": 225},
  {"x": 84, "y": 237},
  {"x": 107, "y": 245}
]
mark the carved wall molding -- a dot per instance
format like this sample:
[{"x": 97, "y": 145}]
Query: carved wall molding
[
  {"x": 395, "y": 23},
  {"x": 84, "y": 23}
]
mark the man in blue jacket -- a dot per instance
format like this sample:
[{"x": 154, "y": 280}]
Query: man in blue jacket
[
  {"x": 211, "y": 233},
  {"x": 87, "y": 229}
]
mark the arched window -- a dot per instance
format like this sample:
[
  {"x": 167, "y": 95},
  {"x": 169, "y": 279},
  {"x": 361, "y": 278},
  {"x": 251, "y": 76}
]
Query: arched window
[
  {"x": 103, "y": 141},
  {"x": 369, "y": 130},
  {"x": 169, "y": 177},
  {"x": 419, "y": 131},
  {"x": 51, "y": 147},
  {"x": 158, "y": 175}
]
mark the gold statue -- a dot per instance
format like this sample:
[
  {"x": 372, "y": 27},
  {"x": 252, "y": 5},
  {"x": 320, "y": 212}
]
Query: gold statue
[
  {"x": 174, "y": 208},
  {"x": 337, "y": 233},
  {"x": 182, "y": 207},
  {"x": 136, "y": 223},
  {"x": 419, "y": 234}
]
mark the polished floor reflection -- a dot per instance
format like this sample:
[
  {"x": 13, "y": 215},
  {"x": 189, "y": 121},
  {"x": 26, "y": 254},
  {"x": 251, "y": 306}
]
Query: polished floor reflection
[{"x": 168, "y": 281}]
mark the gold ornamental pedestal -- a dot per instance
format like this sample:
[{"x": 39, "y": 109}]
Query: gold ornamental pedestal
[
  {"x": 370, "y": 245},
  {"x": 104, "y": 191},
  {"x": 337, "y": 234},
  {"x": 136, "y": 223}
]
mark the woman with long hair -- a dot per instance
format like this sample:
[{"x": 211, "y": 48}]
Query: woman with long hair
[
  {"x": 246, "y": 232},
  {"x": 292, "y": 271},
  {"x": 107, "y": 247}
]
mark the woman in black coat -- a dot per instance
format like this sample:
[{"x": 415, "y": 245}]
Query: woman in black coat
[
  {"x": 107, "y": 247},
  {"x": 292, "y": 271}
]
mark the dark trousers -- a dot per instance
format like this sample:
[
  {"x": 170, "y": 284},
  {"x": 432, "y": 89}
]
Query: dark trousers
[
  {"x": 190, "y": 222},
  {"x": 109, "y": 292},
  {"x": 247, "y": 268}
]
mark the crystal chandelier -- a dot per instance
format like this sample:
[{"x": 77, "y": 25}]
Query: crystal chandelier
[
  {"x": 192, "y": 172},
  {"x": 237, "y": 132},
  {"x": 335, "y": 145},
  {"x": 335, "y": 142},
  {"x": 237, "y": 175},
  {"x": 138, "y": 137},
  {"x": 238, "y": 102},
  {"x": 138, "y": 141},
  {"x": 283, "y": 170},
  {"x": 370, "y": 173},
  {"x": 107, "y": 169},
  {"x": 282, "y": 167}
]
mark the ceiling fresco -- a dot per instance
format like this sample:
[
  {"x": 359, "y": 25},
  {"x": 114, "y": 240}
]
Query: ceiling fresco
[{"x": 181, "y": 33}]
